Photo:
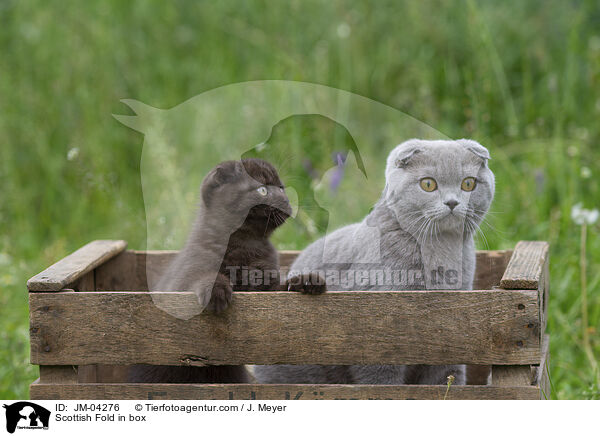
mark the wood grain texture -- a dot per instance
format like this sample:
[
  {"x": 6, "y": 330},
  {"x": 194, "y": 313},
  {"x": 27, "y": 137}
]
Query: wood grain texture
[
  {"x": 490, "y": 266},
  {"x": 542, "y": 373},
  {"x": 73, "y": 267},
  {"x": 86, "y": 283},
  {"x": 478, "y": 374},
  {"x": 526, "y": 266},
  {"x": 54, "y": 374},
  {"x": 129, "y": 271},
  {"x": 428, "y": 327},
  {"x": 140, "y": 391},
  {"x": 544, "y": 294},
  {"x": 87, "y": 374},
  {"x": 512, "y": 375}
]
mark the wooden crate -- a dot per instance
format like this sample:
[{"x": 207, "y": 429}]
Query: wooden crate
[{"x": 91, "y": 315}]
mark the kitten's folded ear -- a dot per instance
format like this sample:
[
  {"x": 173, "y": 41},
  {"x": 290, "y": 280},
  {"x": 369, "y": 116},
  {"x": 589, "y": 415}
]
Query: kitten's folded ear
[
  {"x": 223, "y": 173},
  {"x": 476, "y": 148}
]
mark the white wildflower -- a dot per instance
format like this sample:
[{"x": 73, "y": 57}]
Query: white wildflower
[
  {"x": 572, "y": 150},
  {"x": 586, "y": 173},
  {"x": 552, "y": 82},
  {"x": 73, "y": 153},
  {"x": 584, "y": 216},
  {"x": 343, "y": 30}
]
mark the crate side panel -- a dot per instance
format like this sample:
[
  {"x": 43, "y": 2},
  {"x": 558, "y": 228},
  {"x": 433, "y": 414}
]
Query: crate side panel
[
  {"x": 129, "y": 271},
  {"x": 141, "y": 391},
  {"x": 435, "y": 327}
]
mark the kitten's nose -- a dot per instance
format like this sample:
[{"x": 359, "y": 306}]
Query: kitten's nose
[{"x": 451, "y": 204}]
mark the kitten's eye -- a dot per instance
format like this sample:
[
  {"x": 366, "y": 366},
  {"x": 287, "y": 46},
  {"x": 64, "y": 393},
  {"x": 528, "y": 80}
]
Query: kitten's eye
[
  {"x": 468, "y": 184},
  {"x": 262, "y": 191},
  {"x": 428, "y": 184}
]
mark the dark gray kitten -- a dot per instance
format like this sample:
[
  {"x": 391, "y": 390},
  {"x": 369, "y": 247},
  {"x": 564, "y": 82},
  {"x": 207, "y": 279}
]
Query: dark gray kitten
[
  {"x": 242, "y": 203},
  {"x": 436, "y": 195}
]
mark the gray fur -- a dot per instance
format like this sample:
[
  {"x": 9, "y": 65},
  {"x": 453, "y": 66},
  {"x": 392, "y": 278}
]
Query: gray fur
[
  {"x": 413, "y": 230},
  {"x": 241, "y": 204}
]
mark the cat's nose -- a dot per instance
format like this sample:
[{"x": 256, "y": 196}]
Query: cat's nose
[{"x": 451, "y": 204}]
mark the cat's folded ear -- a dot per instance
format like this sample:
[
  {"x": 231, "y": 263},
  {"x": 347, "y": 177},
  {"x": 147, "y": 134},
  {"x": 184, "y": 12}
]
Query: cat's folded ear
[
  {"x": 476, "y": 148},
  {"x": 403, "y": 157}
]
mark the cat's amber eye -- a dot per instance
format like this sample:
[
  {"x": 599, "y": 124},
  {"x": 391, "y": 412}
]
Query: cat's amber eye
[
  {"x": 428, "y": 184},
  {"x": 468, "y": 184},
  {"x": 262, "y": 191}
]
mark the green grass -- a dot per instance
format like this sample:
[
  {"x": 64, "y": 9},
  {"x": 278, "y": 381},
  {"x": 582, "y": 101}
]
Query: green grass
[{"x": 523, "y": 78}]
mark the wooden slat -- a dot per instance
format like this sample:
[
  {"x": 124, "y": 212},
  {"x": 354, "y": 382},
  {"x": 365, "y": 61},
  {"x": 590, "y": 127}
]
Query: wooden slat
[
  {"x": 114, "y": 373},
  {"x": 128, "y": 271},
  {"x": 428, "y": 327},
  {"x": 53, "y": 374},
  {"x": 520, "y": 375},
  {"x": 490, "y": 266},
  {"x": 511, "y": 375},
  {"x": 287, "y": 257},
  {"x": 71, "y": 268},
  {"x": 40, "y": 391},
  {"x": 87, "y": 374},
  {"x": 526, "y": 266},
  {"x": 102, "y": 374},
  {"x": 86, "y": 283},
  {"x": 544, "y": 294},
  {"x": 478, "y": 374},
  {"x": 543, "y": 370}
]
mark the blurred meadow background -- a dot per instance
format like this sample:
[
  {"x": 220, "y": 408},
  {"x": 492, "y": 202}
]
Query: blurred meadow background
[{"x": 521, "y": 77}]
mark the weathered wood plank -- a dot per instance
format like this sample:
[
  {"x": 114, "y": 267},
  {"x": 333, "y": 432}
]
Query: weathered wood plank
[
  {"x": 543, "y": 371},
  {"x": 114, "y": 373},
  {"x": 87, "y": 374},
  {"x": 490, "y": 266},
  {"x": 86, "y": 283},
  {"x": 478, "y": 374},
  {"x": 526, "y": 266},
  {"x": 512, "y": 375},
  {"x": 71, "y": 268},
  {"x": 129, "y": 270},
  {"x": 544, "y": 294},
  {"x": 40, "y": 391},
  {"x": 427, "y": 327},
  {"x": 102, "y": 374},
  {"x": 54, "y": 374}
]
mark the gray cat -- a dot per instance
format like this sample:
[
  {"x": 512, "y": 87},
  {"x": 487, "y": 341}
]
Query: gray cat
[{"x": 436, "y": 195}]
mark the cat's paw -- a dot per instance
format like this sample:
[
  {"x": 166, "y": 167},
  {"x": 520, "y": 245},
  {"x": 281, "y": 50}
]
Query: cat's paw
[
  {"x": 220, "y": 297},
  {"x": 214, "y": 295},
  {"x": 312, "y": 283}
]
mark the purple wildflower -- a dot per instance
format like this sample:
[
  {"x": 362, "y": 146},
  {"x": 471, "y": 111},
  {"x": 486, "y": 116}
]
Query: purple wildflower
[{"x": 338, "y": 172}]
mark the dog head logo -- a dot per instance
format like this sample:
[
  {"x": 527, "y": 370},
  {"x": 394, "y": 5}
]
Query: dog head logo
[{"x": 26, "y": 415}]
